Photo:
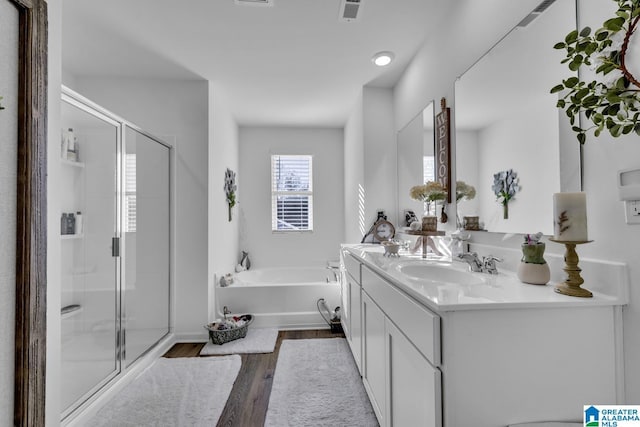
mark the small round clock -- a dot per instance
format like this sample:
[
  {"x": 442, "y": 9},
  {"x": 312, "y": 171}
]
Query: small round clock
[{"x": 384, "y": 230}]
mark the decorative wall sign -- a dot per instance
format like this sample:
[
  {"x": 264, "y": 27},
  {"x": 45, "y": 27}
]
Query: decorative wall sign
[{"x": 443, "y": 148}]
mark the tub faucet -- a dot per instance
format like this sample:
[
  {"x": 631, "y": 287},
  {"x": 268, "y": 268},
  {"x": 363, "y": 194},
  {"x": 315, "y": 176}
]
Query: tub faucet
[
  {"x": 472, "y": 259},
  {"x": 334, "y": 270}
]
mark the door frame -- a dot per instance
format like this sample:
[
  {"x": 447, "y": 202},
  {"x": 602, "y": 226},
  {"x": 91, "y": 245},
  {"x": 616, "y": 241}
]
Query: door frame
[{"x": 31, "y": 211}]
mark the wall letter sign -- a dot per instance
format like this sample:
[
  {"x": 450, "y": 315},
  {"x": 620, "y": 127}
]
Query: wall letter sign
[{"x": 443, "y": 151}]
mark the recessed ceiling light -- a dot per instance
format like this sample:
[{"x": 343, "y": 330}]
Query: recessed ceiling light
[{"x": 382, "y": 58}]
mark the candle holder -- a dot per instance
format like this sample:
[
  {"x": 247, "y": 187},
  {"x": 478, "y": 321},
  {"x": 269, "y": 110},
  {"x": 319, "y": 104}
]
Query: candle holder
[{"x": 571, "y": 285}]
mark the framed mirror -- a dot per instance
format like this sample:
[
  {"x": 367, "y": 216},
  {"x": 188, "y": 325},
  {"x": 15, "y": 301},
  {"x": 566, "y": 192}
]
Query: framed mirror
[
  {"x": 415, "y": 157},
  {"x": 506, "y": 119}
]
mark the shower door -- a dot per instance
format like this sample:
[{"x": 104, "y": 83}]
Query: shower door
[
  {"x": 87, "y": 191},
  {"x": 146, "y": 226},
  {"x": 114, "y": 193}
]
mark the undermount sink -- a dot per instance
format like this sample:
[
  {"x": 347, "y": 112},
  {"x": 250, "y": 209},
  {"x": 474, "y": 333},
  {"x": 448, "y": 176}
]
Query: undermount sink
[{"x": 440, "y": 274}]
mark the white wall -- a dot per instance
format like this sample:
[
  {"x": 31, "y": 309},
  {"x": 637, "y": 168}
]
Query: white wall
[
  {"x": 467, "y": 167},
  {"x": 613, "y": 239},
  {"x": 354, "y": 218},
  {"x": 268, "y": 249},
  {"x": 175, "y": 110},
  {"x": 410, "y": 155},
  {"x": 535, "y": 162},
  {"x": 428, "y": 79},
  {"x": 458, "y": 44},
  {"x": 223, "y": 154},
  {"x": 370, "y": 157},
  {"x": 380, "y": 154},
  {"x": 8, "y": 167}
]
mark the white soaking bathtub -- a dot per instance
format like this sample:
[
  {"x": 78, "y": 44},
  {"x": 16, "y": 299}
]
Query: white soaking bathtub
[{"x": 284, "y": 297}]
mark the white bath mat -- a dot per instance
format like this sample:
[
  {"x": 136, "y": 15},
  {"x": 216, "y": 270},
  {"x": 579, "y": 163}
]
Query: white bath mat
[
  {"x": 258, "y": 340},
  {"x": 316, "y": 383},
  {"x": 180, "y": 391}
]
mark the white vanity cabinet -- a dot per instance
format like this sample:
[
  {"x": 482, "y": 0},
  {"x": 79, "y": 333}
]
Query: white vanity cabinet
[
  {"x": 351, "y": 303},
  {"x": 521, "y": 353},
  {"x": 414, "y": 385},
  {"x": 374, "y": 355},
  {"x": 401, "y": 343}
]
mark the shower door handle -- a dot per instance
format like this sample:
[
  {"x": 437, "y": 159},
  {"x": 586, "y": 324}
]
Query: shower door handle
[{"x": 115, "y": 246}]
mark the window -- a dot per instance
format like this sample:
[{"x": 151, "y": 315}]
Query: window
[
  {"x": 429, "y": 168},
  {"x": 291, "y": 193},
  {"x": 130, "y": 193}
]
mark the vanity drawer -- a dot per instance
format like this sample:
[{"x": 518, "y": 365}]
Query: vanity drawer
[
  {"x": 420, "y": 325},
  {"x": 352, "y": 266}
]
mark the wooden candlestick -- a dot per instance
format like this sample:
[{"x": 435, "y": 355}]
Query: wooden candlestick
[{"x": 571, "y": 285}]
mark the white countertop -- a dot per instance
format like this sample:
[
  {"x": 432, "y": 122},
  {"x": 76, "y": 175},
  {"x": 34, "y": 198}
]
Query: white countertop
[{"x": 483, "y": 291}]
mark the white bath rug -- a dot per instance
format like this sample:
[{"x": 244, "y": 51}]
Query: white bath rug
[
  {"x": 258, "y": 340},
  {"x": 316, "y": 383},
  {"x": 172, "y": 392}
]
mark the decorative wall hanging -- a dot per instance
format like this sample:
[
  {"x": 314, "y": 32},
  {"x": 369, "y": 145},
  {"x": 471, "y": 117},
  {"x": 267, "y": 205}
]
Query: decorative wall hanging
[
  {"x": 230, "y": 188},
  {"x": 505, "y": 186},
  {"x": 612, "y": 102},
  {"x": 443, "y": 148}
]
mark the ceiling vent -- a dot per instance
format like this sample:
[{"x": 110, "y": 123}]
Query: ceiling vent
[
  {"x": 254, "y": 2},
  {"x": 350, "y": 10},
  {"x": 536, "y": 12}
]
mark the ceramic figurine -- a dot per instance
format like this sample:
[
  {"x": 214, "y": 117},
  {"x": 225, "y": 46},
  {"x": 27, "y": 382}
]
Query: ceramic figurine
[
  {"x": 533, "y": 269},
  {"x": 245, "y": 261}
]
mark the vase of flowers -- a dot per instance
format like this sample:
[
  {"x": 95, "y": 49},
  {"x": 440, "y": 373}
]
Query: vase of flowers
[
  {"x": 464, "y": 191},
  {"x": 429, "y": 194}
]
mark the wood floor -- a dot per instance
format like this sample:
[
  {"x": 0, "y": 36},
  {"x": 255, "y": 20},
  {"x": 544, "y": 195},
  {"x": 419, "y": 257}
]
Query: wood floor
[{"x": 249, "y": 399}]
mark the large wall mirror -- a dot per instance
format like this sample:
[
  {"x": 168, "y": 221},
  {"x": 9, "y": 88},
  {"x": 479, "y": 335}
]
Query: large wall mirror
[
  {"x": 415, "y": 160},
  {"x": 505, "y": 118}
]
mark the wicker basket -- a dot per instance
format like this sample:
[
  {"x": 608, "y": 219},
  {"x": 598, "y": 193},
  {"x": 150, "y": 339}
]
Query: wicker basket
[{"x": 223, "y": 336}]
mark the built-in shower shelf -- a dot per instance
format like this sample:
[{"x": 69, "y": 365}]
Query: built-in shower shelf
[
  {"x": 71, "y": 236},
  {"x": 70, "y": 310},
  {"x": 72, "y": 163}
]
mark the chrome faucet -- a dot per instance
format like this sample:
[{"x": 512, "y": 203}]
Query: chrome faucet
[
  {"x": 489, "y": 264},
  {"x": 486, "y": 265},
  {"x": 472, "y": 259}
]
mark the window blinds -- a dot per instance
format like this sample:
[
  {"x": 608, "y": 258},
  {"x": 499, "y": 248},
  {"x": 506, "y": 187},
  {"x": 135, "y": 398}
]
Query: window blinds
[
  {"x": 291, "y": 193},
  {"x": 130, "y": 193}
]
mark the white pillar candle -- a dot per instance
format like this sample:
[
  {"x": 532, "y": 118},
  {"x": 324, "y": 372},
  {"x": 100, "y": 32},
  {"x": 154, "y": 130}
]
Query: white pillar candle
[{"x": 570, "y": 217}]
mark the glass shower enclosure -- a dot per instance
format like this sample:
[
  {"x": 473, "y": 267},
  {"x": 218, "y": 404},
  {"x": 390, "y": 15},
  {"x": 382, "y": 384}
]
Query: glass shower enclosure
[{"x": 115, "y": 240}]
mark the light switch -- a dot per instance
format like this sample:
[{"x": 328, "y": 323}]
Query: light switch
[{"x": 632, "y": 211}]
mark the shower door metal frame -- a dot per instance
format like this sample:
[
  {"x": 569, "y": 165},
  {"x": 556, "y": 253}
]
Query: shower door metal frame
[
  {"x": 79, "y": 101},
  {"x": 127, "y": 124}
]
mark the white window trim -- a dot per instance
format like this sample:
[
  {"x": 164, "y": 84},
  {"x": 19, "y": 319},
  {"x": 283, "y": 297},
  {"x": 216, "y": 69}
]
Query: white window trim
[{"x": 275, "y": 193}]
